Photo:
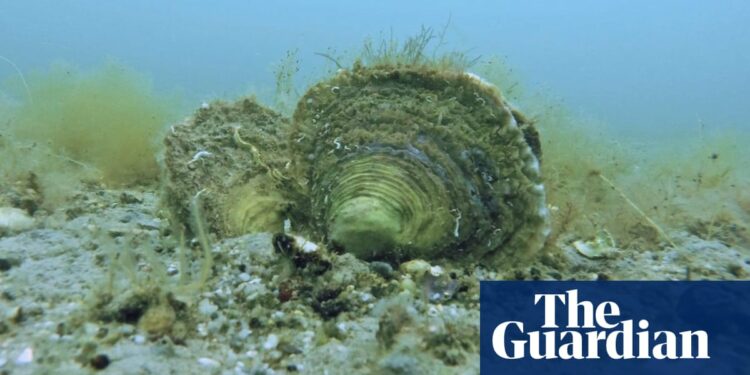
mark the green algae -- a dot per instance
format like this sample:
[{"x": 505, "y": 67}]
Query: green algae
[{"x": 107, "y": 119}]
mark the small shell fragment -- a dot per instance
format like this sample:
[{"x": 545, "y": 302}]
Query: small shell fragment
[
  {"x": 602, "y": 246},
  {"x": 208, "y": 362},
  {"x": 14, "y": 220},
  {"x": 305, "y": 245},
  {"x": 26, "y": 356}
]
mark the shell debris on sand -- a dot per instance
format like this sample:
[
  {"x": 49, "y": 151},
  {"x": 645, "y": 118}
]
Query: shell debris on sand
[{"x": 14, "y": 220}]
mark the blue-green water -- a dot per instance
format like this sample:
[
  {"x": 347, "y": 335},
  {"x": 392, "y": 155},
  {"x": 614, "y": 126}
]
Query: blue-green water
[{"x": 635, "y": 65}]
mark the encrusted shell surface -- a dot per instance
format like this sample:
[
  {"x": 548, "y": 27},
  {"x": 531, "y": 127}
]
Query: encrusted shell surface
[
  {"x": 388, "y": 163},
  {"x": 407, "y": 162},
  {"x": 233, "y": 154}
]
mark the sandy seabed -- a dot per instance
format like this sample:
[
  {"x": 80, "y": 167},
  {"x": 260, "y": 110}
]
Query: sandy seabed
[{"x": 69, "y": 304}]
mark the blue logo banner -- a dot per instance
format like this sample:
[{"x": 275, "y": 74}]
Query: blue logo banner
[{"x": 615, "y": 327}]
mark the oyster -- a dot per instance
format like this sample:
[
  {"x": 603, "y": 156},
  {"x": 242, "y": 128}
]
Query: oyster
[
  {"x": 410, "y": 162},
  {"x": 233, "y": 153},
  {"x": 391, "y": 162}
]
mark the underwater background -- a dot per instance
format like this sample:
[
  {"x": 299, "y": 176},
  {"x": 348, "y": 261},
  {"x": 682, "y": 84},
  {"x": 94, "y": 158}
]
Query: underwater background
[
  {"x": 159, "y": 200},
  {"x": 636, "y": 65}
]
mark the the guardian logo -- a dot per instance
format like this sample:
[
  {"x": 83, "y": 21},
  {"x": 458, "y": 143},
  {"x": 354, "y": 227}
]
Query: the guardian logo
[{"x": 577, "y": 329}]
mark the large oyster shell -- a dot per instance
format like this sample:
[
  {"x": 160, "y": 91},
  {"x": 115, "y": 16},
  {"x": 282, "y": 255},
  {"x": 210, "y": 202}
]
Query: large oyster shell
[{"x": 406, "y": 161}]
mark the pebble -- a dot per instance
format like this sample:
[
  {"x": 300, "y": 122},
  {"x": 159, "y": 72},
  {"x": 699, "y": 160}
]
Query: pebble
[
  {"x": 408, "y": 285},
  {"x": 436, "y": 271},
  {"x": 26, "y": 356},
  {"x": 205, "y": 307},
  {"x": 127, "y": 330},
  {"x": 366, "y": 297},
  {"x": 6, "y": 264},
  {"x": 208, "y": 362},
  {"x": 239, "y": 368},
  {"x": 16, "y": 315},
  {"x": 231, "y": 358},
  {"x": 13, "y": 220},
  {"x": 416, "y": 267},
  {"x": 274, "y": 355},
  {"x": 244, "y": 277},
  {"x": 100, "y": 361},
  {"x": 382, "y": 268},
  {"x": 432, "y": 311},
  {"x": 90, "y": 328},
  {"x": 139, "y": 339},
  {"x": 148, "y": 223},
  {"x": 244, "y": 333},
  {"x": 342, "y": 327},
  {"x": 271, "y": 342}
]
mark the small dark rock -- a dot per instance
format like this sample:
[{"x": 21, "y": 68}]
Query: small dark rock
[
  {"x": 128, "y": 198},
  {"x": 328, "y": 294},
  {"x": 5, "y": 264},
  {"x": 72, "y": 213},
  {"x": 8, "y": 295},
  {"x": 737, "y": 271},
  {"x": 311, "y": 262},
  {"x": 283, "y": 243},
  {"x": 256, "y": 322},
  {"x": 535, "y": 274},
  {"x": 8, "y": 263},
  {"x": 286, "y": 291},
  {"x": 17, "y": 315},
  {"x": 100, "y": 361},
  {"x": 292, "y": 368},
  {"x": 102, "y": 332},
  {"x": 132, "y": 309},
  {"x": 327, "y": 303},
  {"x": 288, "y": 348},
  {"x": 383, "y": 269}
]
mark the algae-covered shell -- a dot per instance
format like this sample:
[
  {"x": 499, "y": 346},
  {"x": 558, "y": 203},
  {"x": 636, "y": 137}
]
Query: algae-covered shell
[
  {"x": 388, "y": 163},
  {"x": 410, "y": 162},
  {"x": 234, "y": 155}
]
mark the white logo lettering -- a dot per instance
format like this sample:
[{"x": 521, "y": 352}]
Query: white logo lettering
[{"x": 587, "y": 327}]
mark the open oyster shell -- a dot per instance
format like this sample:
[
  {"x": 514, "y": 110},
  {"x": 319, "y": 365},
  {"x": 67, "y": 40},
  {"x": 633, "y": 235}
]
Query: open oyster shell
[
  {"x": 386, "y": 162},
  {"x": 405, "y": 162}
]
